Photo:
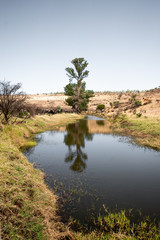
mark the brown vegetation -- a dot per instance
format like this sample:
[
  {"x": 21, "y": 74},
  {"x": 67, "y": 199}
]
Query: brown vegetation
[
  {"x": 115, "y": 102},
  {"x": 11, "y": 100},
  {"x": 27, "y": 206}
]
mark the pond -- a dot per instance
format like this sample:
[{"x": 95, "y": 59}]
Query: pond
[{"x": 89, "y": 167}]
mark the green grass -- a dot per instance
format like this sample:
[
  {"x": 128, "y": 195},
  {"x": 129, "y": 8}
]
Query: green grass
[
  {"x": 144, "y": 130},
  {"x": 27, "y": 206},
  {"x": 118, "y": 226},
  {"x": 146, "y": 125}
]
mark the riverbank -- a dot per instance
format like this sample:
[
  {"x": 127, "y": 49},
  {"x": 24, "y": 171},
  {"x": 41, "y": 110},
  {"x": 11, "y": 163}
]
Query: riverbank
[
  {"x": 145, "y": 131},
  {"x": 27, "y": 206}
]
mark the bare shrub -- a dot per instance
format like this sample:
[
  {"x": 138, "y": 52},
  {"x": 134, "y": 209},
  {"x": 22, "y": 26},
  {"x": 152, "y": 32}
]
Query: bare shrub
[
  {"x": 11, "y": 100},
  {"x": 30, "y": 109}
]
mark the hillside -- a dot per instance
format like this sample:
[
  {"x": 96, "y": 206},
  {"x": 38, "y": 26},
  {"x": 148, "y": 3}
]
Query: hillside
[{"x": 146, "y": 103}]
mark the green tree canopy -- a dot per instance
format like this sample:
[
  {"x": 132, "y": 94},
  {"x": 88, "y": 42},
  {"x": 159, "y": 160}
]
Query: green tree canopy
[{"x": 78, "y": 96}]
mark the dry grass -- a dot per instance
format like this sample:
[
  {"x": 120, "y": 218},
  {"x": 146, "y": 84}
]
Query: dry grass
[
  {"x": 27, "y": 206},
  {"x": 145, "y": 131},
  {"x": 102, "y": 236},
  {"x": 150, "y": 102}
]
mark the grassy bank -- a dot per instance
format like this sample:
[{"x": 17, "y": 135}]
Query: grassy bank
[
  {"x": 145, "y": 131},
  {"x": 27, "y": 206}
]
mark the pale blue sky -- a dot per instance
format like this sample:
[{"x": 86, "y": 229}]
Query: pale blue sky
[{"x": 120, "y": 39}]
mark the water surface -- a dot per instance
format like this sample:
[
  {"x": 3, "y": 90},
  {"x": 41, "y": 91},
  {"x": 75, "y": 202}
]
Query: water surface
[{"x": 88, "y": 166}]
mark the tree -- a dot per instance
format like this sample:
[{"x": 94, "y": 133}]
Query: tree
[
  {"x": 79, "y": 97},
  {"x": 11, "y": 100}
]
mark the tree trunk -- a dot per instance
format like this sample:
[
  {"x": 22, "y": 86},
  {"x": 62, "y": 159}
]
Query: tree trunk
[{"x": 78, "y": 94}]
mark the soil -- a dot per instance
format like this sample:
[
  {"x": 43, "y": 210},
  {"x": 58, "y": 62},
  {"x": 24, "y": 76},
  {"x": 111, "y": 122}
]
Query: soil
[{"x": 115, "y": 102}]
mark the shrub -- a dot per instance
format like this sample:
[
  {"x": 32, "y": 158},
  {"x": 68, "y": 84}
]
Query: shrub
[
  {"x": 59, "y": 109},
  {"x": 116, "y": 104},
  {"x": 137, "y": 103},
  {"x": 101, "y": 107},
  {"x": 11, "y": 100},
  {"x": 139, "y": 114},
  {"x": 30, "y": 109},
  {"x": 133, "y": 98},
  {"x": 120, "y": 95},
  {"x": 23, "y": 114}
]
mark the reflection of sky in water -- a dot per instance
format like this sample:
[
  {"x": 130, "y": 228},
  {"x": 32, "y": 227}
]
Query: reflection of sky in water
[
  {"x": 119, "y": 172},
  {"x": 94, "y": 118}
]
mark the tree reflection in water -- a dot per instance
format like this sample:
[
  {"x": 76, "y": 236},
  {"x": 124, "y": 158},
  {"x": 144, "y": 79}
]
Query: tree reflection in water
[{"x": 76, "y": 135}]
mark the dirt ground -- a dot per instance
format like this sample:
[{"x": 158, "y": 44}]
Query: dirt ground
[{"x": 115, "y": 102}]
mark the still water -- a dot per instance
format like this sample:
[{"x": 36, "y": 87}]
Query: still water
[{"x": 89, "y": 167}]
